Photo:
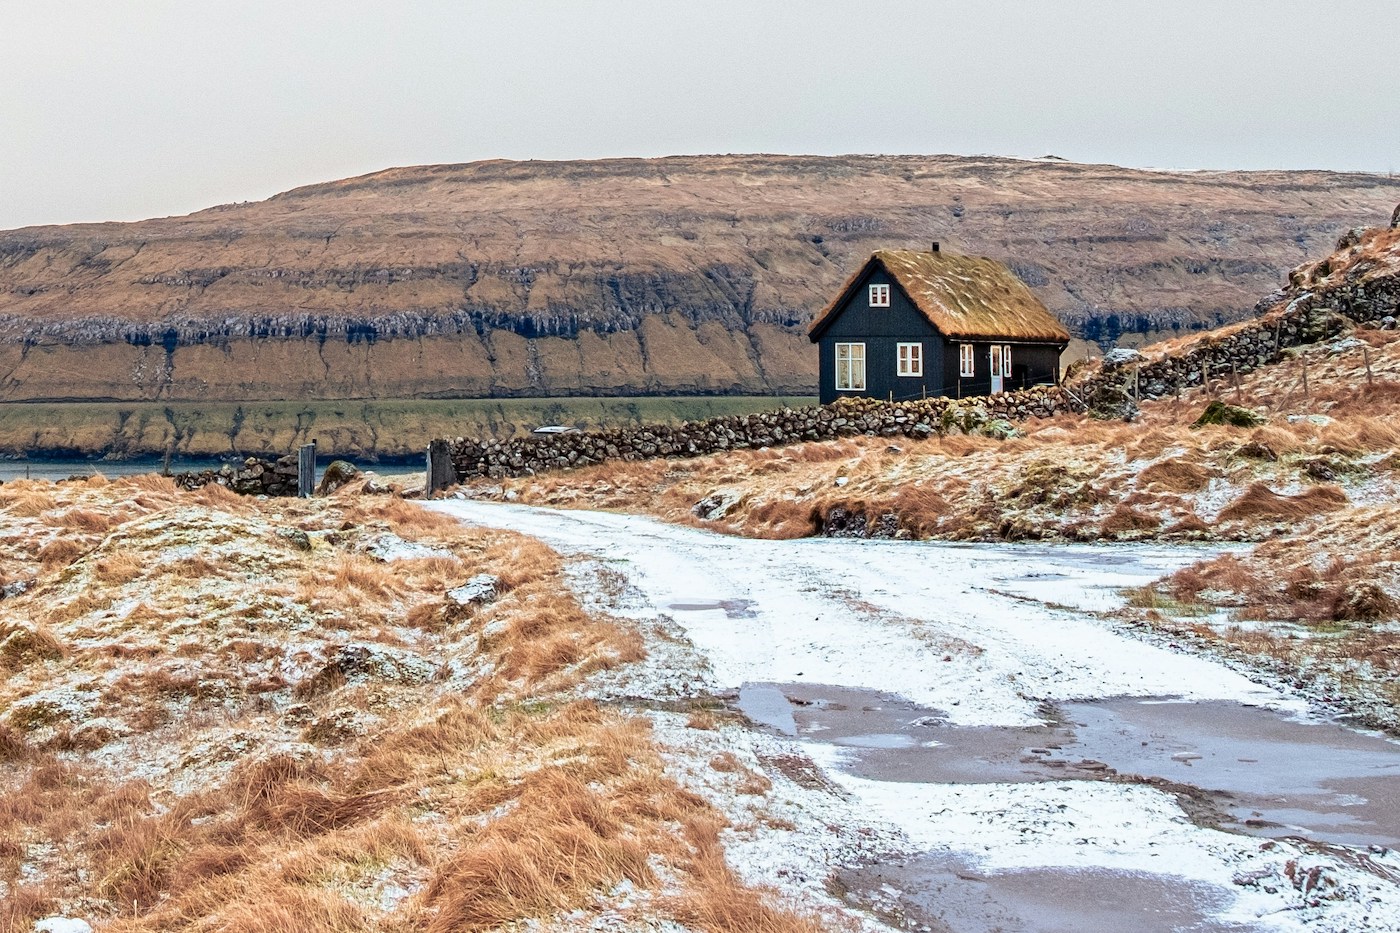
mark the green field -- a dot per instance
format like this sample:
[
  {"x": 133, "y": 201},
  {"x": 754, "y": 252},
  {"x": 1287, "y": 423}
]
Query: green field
[{"x": 363, "y": 429}]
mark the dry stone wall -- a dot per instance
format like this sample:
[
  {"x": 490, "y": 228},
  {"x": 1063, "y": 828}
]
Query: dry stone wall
[
  {"x": 257, "y": 476},
  {"x": 845, "y": 418}
]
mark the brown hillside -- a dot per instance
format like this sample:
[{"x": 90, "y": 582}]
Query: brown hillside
[{"x": 685, "y": 274}]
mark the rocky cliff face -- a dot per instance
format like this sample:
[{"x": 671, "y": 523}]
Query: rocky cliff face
[{"x": 681, "y": 275}]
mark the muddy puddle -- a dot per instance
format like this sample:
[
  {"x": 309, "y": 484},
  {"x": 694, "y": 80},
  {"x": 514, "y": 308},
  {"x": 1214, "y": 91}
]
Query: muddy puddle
[
  {"x": 1245, "y": 769},
  {"x": 937, "y": 893},
  {"x": 1264, "y": 773},
  {"x": 732, "y": 608}
]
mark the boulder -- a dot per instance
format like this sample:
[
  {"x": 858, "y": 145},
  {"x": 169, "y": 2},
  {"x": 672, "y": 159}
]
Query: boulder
[
  {"x": 388, "y": 547},
  {"x": 1121, "y": 356},
  {"x": 1110, "y": 401},
  {"x": 715, "y": 505},
  {"x": 297, "y": 538},
  {"x": 62, "y": 925},
  {"x": 337, "y": 474},
  {"x": 1218, "y": 412},
  {"x": 478, "y": 591}
]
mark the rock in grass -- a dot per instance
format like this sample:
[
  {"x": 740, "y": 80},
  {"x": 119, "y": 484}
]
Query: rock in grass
[
  {"x": 1218, "y": 412},
  {"x": 1258, "y": 450},
  {"x": 296, "y": 538},
  {"x": 62, "y": 925},
  {"x": 477, "y": 591},
  {"x": 998, "y": 428},
  {"x": 337, "y": 474}
]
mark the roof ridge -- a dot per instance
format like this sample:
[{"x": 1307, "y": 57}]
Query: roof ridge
[{"x": 964, "y": 297}]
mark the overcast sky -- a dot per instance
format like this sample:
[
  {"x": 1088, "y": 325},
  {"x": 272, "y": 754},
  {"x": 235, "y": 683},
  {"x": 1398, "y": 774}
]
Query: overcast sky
[{"x": 124, "y": 109}]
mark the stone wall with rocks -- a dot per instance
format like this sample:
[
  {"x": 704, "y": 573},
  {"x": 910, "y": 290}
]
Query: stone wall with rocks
[
  {"x": 844, "y": 418},
  {"x": 1110, "y": 388},
  {"x": 257, "y": 476}
]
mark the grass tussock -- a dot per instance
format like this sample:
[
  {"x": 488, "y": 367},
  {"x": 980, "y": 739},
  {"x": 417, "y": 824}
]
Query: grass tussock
[
  {"x": 1259, "y": 502},
  {"x": 84, "y": 520},
  {"x": 1175, "y": 475},
  {"x": 119, "y": 566},
  {"x": 59, "y": 553},
  {"x": 24, "y": 644},
  {"x": 1127, "y": 521},
  {"x": 720, "y": 903},
  {"x": 561, "y": 842},
  {"x": 27, "y": 499}
]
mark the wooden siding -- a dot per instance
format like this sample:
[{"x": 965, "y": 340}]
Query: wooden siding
[{"x": 883, "y": 329}]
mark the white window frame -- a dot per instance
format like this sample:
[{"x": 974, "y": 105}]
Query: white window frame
[
  {"x": 854, "y": 353},
  {"x": 967, "y": 363},
  {"x": 910, "y": 357},
  {"x": 1006, "y": 359},
  {"x": 879, "y": 296}
]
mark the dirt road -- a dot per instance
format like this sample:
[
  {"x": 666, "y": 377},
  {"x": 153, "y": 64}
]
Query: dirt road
[{"x": 1046, "y": 768}]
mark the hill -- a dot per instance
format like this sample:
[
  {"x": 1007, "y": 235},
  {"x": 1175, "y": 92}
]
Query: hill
[{"x": 690, "y": 275}]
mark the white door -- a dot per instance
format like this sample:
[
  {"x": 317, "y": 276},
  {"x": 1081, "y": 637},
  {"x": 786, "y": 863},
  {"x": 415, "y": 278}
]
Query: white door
[{"x": 996, "y": 368}]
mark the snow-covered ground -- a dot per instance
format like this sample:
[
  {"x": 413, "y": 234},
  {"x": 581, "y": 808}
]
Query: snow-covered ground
[
  {"x": 975, "y": 630},
  {"x": 986, "y": 633}
]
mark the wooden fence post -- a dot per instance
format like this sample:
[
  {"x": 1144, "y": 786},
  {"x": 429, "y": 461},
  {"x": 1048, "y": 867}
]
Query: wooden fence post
[
  {"x": 1304, "y": 358},
  {"x": 441, "y": 472},
  {"x": 306, "y": 470},
  {"x": 1366, "y": 355}
]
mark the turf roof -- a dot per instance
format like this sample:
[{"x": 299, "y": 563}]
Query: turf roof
[{"x": 965, "y": 297}]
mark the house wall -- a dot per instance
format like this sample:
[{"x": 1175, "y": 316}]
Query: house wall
[
  {"x": 1031, "y": 364},
  {"x": 881, "y": 330}
]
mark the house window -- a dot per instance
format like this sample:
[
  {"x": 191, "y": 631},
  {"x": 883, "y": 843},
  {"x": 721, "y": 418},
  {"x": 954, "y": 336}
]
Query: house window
[
  {"x": 850, "y": 367},
  {"x": 911, "y": 359},
  {"x": 1006, "y": 360},
  {"x": 879, "y": 296},
  {"x": 965, "y": 362}
]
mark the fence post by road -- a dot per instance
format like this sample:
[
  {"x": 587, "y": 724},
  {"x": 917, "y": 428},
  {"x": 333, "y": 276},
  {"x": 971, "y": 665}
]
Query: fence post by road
[
  {"x": 441, "y": 473},
  {"x": 306, "y": 470}
]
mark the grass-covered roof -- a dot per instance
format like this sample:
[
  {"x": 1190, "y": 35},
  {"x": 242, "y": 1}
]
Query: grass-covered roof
[{"x": 965, "y": 297}]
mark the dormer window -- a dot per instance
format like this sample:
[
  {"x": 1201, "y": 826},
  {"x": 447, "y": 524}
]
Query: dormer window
[{"x": 879, "y": 296}]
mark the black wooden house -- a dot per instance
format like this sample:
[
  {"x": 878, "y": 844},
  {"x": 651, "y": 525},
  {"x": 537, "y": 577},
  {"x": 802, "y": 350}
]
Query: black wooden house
[{"x": 910, "y": 324}]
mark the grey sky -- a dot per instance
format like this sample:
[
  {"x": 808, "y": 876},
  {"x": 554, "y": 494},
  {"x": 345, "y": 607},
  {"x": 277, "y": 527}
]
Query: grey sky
[{"x": 123, "y": 109}]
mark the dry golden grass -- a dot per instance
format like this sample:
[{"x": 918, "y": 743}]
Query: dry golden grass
[
  {"x": 1175, "y": 475},
  {"x": 27, "y": 498},
  {"x": 718, "y": 902},
  {"x": 119, "y": 566},
  {"x": 1260, "y": 502},
  {"x": 1127, "y": 521},
  {"x": 539, "y": 804},
  {"x": 59, "y": 552},
  {"x": 22, "y": 644},
  {"x": 86, "y": 520}
]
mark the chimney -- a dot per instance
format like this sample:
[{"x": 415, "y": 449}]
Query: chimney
[{"x": 935, "y": 246}]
